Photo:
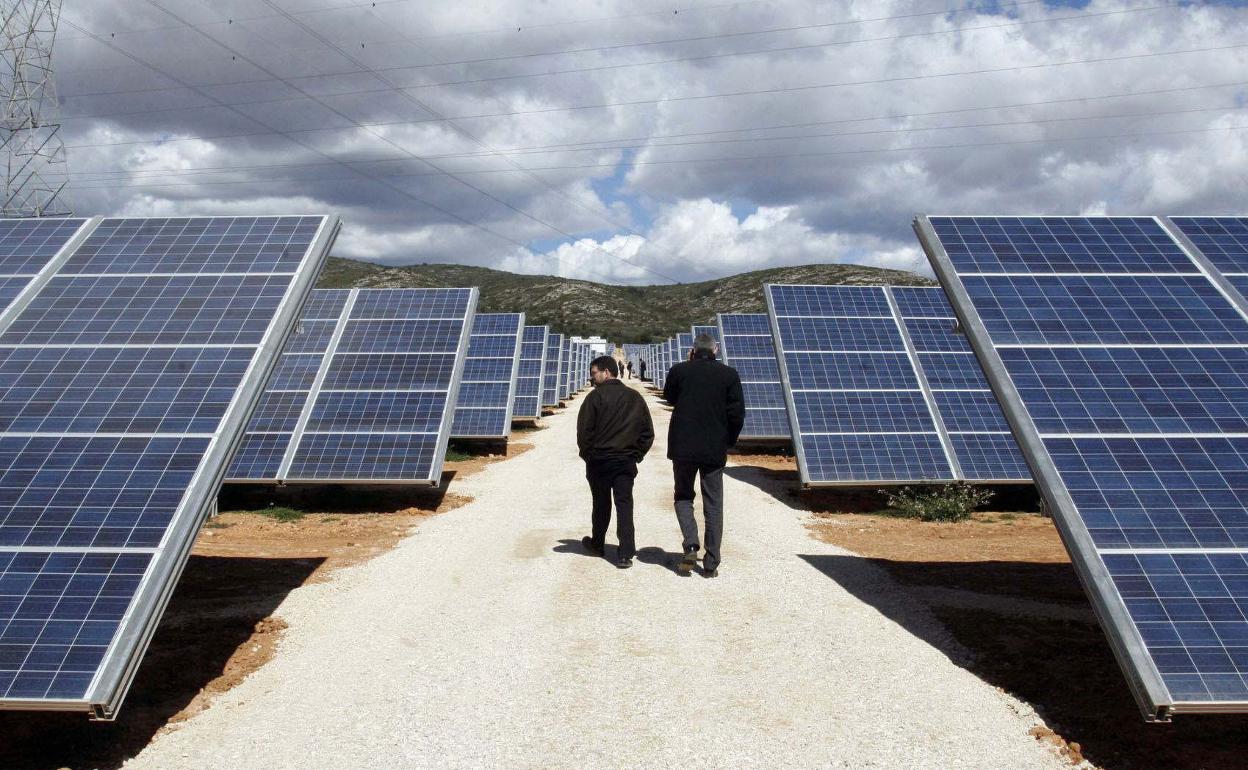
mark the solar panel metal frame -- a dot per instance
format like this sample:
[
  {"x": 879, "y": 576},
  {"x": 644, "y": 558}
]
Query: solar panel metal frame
[
  {"x": 724, "y": 355},
  {"x": 115, "y": 673},
  {"x": 511, "y": 387},
  {"x": 541, "y": 375},
  {"x": 1144, "y": 679}
]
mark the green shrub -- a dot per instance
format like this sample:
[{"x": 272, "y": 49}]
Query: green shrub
[
  {"x": 947, "y": 502},
  {"x": 281, "y": 513}
]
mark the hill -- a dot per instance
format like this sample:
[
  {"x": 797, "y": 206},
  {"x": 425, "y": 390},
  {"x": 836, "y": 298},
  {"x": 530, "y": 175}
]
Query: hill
[{"x": 621, "y": 313}]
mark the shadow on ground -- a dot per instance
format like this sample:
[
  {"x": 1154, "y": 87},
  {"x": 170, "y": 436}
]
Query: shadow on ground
[
  {"x": 215, "y": 609},
  {"x": 334, "y": 498},
  {"x": 786, "y": 486},
  {"x": 1027, "y": 628},
  {"x": 651, "y": 555}
]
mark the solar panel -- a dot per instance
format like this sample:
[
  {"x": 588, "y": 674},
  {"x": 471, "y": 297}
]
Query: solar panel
[
  {"x": 979, "y": 437},
  {"x": 488, "y": 384},
  {"x": 746, "y": 345},
  {"x": 713, "y": 331},
  {"x": 361, "y": 392},
  {"x": 552, "y": 369},
  {"x": 528, "y": 402},
  {"x": 873, "y": 369},
  {"x": 1116, "y": 354},
  {"x": 565, "y": 368},
  {"x": 130, "y": 362}
]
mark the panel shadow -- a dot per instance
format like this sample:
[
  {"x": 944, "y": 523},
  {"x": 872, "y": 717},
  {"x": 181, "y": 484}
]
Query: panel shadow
[
  {"x": 1027, "y": 628},
  {"x": 214, "y": 611}
]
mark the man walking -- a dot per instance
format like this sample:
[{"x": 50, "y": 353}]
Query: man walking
[
  {"x": 613, "y": 434},
  {"x": 708, "y": 416}
]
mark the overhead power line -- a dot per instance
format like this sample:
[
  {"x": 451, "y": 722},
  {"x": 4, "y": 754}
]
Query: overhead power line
[
  {"x": 741, "y": 158},
  {"x": 708, "y": 96},
  {"x": 670, "y": 60},
  {"x": 260, "y": 168},
  {"x": 608, "y": 144}
]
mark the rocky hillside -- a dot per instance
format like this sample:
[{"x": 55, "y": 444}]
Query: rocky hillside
[{"x": 621, "y": 313}]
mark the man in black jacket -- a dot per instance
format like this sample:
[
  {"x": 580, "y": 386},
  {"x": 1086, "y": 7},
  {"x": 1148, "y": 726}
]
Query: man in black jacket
[
  {"x": 708, "y": 416},
  {"x": 613, "y": 433}
]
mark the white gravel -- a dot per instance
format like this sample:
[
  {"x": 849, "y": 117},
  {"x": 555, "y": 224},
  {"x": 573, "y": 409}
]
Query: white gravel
[{"x": 482, "y": 641}]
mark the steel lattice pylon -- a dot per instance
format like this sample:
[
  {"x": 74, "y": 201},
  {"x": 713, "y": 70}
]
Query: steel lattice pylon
[{"x": 36, "y": 172}]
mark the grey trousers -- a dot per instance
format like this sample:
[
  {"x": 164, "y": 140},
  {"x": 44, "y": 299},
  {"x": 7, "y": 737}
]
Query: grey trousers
[{"x": 712, "y": 485}]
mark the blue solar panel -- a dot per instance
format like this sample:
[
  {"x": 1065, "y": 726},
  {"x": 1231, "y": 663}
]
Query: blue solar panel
[
  {"x": 374, "y": 375},
  {"x": 712, "y": 331},
  {"x": 141, "y": 363},
  {"x": 392, "y": 369},
  {"x": 553, "y": 366},
  {"x": 745, "y": 344},
  {"x": 1059, "y": 245},
  {"x": 1222, "y": 240},
  {"x": 1130, "y": 396},
  {"x": 857, "y": 409},
  {"x": 528, "y": 401},
  {"x": 487, "y": 385},
  {"x": 850, "y": 370}
]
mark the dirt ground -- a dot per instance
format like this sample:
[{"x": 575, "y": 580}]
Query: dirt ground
[
  {"x": 219, "y": 627},
  {"x": 1003, "y": 586}
]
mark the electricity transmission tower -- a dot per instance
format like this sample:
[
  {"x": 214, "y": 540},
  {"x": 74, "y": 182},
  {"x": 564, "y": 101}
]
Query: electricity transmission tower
[{"x": 35, "y": 172}]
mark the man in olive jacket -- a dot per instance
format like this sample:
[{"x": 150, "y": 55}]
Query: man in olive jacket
[
  {"x": 708, "y": 416},
  {"x": 613, "y": 433}
]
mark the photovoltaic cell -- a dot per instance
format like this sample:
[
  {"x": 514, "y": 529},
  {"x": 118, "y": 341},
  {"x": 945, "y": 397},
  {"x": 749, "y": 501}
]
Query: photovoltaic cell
[
  {"x": 126, "y": 373},
  {"x": 528, "y": 401},
  {"x": 745, "y": 344},
  {"x": 552, "y": 369},
  {"x": 487, "y": 386},
  {"x": 385, "y": 363},
  {"x": 1129, "y": 394},
  {"x": 855, "y": 365}
]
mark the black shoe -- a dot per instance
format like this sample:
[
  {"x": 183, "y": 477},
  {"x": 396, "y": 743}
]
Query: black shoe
[
  {"x": 688, "y": 562},
  {"x": 623, "y": 563},
  {"x": 710, "y": 573},
  {"x": 596, "y": 550}
]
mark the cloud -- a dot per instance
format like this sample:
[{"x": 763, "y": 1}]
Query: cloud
[{"x": 737, "y": 137}]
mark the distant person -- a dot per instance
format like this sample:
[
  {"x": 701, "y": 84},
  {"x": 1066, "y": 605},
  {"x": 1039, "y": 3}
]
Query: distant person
[
  {"x": 630, "y": 370},
  {"x": 641, "y": 362},
  {"x": 613, "y": 434},
  {"x": 708, "y": 414}
]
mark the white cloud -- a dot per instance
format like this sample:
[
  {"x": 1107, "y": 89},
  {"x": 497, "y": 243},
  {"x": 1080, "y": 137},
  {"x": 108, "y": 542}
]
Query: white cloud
[{"x": 841, "y": 184}]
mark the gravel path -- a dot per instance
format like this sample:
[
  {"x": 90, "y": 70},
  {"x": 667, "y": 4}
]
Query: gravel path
[{"x": 488, "y": 638}]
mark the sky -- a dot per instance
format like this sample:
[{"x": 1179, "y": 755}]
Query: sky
[{"x": 643, "y": 142}]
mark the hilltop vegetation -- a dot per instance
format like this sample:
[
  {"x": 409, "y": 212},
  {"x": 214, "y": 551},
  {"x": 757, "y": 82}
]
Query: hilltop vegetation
[{"x": 622, "y": 313}]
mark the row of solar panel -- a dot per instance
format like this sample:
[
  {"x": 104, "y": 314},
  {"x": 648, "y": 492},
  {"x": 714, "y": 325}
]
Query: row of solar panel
[
  {"x": 1111, "y": 352},
  {"x": 361, "y": 391},
  {"x": 132, "y": 353},
  {"x": 874, "y": 381}
]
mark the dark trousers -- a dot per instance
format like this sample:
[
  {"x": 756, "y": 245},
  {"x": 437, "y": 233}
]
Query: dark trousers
[
  {"x": 712, "y": 477},
  {"x": 613, "y": 477}
]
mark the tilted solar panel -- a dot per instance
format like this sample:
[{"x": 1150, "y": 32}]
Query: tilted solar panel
[
  {"x": 552, "y": 369},
  {"x": 983, "y": 448},
  {"x": 528, "y": 402},
  {"x": 130, "y": 362},
  {"x": 847, "y": 431},
  {"x": 369, "y": 420},
  {"x": 361, "y": 392},
  {"x": 1116, "y": 355},
  {"x": 745, "y": 344},
  {"x": 488, "y": 384},
  {"x": 713, "y": 331}
]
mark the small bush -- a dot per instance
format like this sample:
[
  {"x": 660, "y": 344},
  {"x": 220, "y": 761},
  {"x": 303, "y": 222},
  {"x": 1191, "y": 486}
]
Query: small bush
[
  {"x": 948, "y": 502},
  {"x": 281, "y": 513},
  {"x": 457, "y": 454}
]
